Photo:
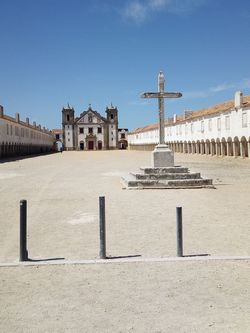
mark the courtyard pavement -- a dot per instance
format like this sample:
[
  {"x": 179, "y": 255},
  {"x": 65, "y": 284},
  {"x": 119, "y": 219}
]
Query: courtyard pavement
[{"x": 143, "y": 287}]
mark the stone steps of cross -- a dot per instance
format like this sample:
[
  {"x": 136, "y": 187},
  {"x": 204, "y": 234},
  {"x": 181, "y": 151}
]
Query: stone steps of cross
[
  {"x": 167, "y": 176},
  {"x": 168, "y": 184},
  {"x": 175, "y": 169}
]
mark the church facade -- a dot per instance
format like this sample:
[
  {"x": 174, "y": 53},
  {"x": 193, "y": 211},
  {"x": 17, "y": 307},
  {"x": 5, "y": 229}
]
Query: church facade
[{"x": 90, "y": 131}]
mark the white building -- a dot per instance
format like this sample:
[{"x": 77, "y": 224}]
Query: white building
[
  {"x": 21, "y": 138},
  {"x": 223, "y": 129},
  {"x": 90, "y": 131},
  {"x": 122, "y": 138}
]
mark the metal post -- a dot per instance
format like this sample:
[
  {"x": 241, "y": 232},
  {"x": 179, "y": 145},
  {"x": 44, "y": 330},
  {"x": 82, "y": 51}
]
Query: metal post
[
  {"x": 102, "y": 227},
  {"x": 179, "y": 231},
  {"x": 23, "y": 231}
]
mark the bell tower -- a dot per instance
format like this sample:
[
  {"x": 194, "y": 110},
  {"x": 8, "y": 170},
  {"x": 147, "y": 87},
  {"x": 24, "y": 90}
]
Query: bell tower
[
  {"x": 112, "y": 117},
  {"x": 68, "y": 121}
]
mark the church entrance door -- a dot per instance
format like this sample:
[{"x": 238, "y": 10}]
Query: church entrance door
[
  {"x": 100, "y": 145},
  {"x": 91, "y": 145},
  {"x": 81, "y": 146}
]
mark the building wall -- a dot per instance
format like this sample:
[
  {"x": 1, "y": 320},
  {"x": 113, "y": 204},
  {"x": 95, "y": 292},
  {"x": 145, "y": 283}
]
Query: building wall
[
  {"x": 69, "y": 137},
  {"x": 21, "y": 138},
  {"x": 113, "y": 139},
  {"x": 224, "y": 133}
]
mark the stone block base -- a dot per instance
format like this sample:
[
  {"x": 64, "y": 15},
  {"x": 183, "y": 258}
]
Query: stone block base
[{"x": 162, "y": 157}]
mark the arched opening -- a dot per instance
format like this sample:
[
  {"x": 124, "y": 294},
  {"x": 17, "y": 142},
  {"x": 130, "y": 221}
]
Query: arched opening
[
  {"x": 244, "y": 147},
  {"x": 81, "y": 145},
  {"x": 236, "y": 147},
  {"x": 223, "y": 147},
  {"x": 181, "y": 147},
  {"x": 193, "y": 148},
  {"x": 123, "y": 144},
  {"x": 207, "y": 147},
  {"x": 202, "y": 145},
  {"x": 99, "y": 145},
  {"x": 90, "y": 145},
  {"x": 59, "y": 145},
  {"x": 185, "y": 147},
  {"x": 229, "y": 147},
  {"x": 212, "y": 147},
  {"x": 198, "y": 147},
  {"x": 218, "y": 147}
]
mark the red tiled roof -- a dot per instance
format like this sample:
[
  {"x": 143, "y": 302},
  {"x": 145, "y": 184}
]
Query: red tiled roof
[
  {"x": 218, "y": 108},
  {"x": 57, "y": 131}
]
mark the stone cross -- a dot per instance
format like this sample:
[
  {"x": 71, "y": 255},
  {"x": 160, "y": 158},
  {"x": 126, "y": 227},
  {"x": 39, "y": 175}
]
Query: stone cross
[{"x": 161, "y": 94}]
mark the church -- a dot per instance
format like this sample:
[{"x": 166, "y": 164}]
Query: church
[{"x": 90, "y": 131}]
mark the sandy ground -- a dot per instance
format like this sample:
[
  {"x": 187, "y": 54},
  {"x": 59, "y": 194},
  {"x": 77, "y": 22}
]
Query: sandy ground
[{"x": 183, "y": 296}]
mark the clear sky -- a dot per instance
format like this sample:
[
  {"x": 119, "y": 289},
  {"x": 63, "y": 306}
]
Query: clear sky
[{"x": 54, "y": 52}]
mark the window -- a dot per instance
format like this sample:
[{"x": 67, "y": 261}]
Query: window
[
  {"x": 90, "y": 130},
  {"x": 11, "y": 129},
  {"x": 244, "y": 119},
  {"x": 202, "y": 126},
  {"x": 67, "y": 117},
  {"x": 227, "y": 121},
  {"x": 81, "y": 130},
  {"x": 99, "y": 130},
  {"x": 68, "y": 140},
  {"x": 210, "y": 125},
  {"x": 111, "y": 116},
  {"x": 218, "y": 124},
  {"x": 57, "y": 137},
  {"x": 7, "y": 129},
  {"x": 123, "y": 136}
]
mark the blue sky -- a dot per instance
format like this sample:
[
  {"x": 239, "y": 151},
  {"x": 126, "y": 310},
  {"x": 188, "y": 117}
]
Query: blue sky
[{"x": 54, "y": 52}]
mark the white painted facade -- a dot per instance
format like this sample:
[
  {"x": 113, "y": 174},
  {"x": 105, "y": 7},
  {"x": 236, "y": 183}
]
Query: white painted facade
[
  {"x": 223, "y": 130},
  {"x": 113, "y": 138},
  {"x": 69, "y": 134},
  {"x": 90, "y": 131},
  {"x": 18, "y": 137}
]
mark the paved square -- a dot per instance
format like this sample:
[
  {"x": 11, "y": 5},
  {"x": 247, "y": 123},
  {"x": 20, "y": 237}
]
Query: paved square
[{"x": 183, "y": 296}]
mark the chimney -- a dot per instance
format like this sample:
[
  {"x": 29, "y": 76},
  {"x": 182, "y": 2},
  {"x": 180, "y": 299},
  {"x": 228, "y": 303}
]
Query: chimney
[
  {"x": 175, "y": 118},
  {"x": 238, "y": 99},
  {"x": 34, "y": 123},
  {"x": 1, "y": 111},
  {"x": 17, "y": 117},
  {"x": 27, "y": 121}
]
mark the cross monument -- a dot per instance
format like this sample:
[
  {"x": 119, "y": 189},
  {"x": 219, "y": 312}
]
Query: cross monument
[{"x": 162, "y": 155}]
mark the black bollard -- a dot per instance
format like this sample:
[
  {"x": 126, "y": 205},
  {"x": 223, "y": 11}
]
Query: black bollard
[
  {"x": 102, "y": 227},
  {"x": 179, "y": 231},
  {"x": 23, "y": 231}
]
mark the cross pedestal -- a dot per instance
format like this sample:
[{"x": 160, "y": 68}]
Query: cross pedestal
[
  {"x": 163, "y": 173},
  {"x": 162, "y": 156}
]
